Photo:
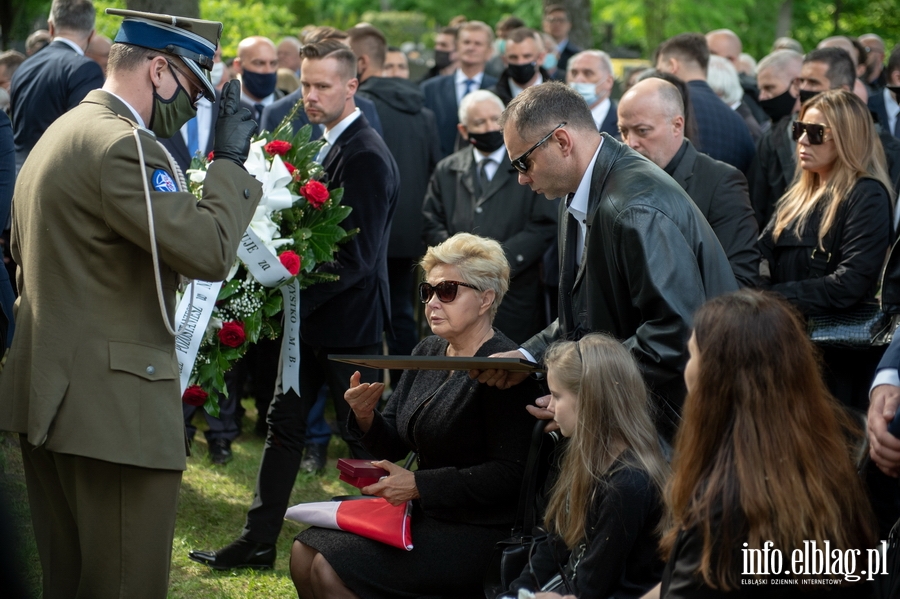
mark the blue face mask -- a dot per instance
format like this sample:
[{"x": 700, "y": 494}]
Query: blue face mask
[
  {"x": 499, "y": 47},
  {"x": 586, "y": 90},
  {"x": 550, "y": 62},
  {"x": 260, "y": 85}
]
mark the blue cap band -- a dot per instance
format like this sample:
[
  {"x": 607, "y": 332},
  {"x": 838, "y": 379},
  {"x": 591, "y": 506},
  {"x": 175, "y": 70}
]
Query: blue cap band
[{"x": 158, "y": 36}]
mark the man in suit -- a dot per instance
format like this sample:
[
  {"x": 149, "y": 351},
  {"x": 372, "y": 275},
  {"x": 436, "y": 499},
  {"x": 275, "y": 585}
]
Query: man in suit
[
  {"x": 772, "y": 169},
  {"x": 651, "y": 118},
  {"x": 590, "y": 74},
  {"x": 91, "y": 384},
  {"x": 55, "y": 80},
  {"x": 410, "y": 134},
  {"x": 727, "y": 44},
  {"x": 524, "y": 53},
  {"x": 476, "y": 191},
  {"x": 346, "y": 316},
  {"x": 723, "y": 133},
  {"x": 443, "y": 94},
  {"x": 625, "y": 228},
  {"x": 274, "y": 113},
  {"x": 884, "y": 101},
  {"x": 256, "y": 65},
  {"x": 884, "y": 448},
  {"x": 557, "y": 23}
]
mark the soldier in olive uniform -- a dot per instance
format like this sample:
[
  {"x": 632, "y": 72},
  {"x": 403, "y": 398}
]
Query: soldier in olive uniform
[{"x": 92, "y": 381}]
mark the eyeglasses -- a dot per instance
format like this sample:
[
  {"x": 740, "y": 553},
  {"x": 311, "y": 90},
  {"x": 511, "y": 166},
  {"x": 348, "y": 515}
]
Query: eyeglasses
[
  {"x": 815, "y": 132},
  {"x": 198, "y": 95},
  {"x": 445, "y": 290},
  {"x": 519, "y": 163}
]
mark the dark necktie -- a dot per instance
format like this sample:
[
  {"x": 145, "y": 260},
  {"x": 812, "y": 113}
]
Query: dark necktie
[
  {"x": 257, "y": 116},
  {"x": 483, "y": 177},
  {"x": 470, "y": 85},
  {"x": 193, "y": 144}
]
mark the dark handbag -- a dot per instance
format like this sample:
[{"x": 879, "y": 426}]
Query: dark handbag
[
  {"x": 860, "y": 327},
  {"x": 511, "y": 555}
]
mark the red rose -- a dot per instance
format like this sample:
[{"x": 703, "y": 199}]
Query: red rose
[
  {"x": 210, "y": 156},
  {"x": 315, "y": 193},
  {"x": 290, "y": 167},
  {"x": 291, "y": 261},
  {"x": 194, "y": 396},
  {"x": 277, "y": 147},
  {"x": 232, "y": 333}
]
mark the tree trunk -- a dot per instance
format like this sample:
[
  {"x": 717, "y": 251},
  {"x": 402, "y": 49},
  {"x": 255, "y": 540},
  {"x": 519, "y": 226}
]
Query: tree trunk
[
  {"x": 656, "y": 12},
  {"x": 838, "y": 9},
  {"x": 181, "y": 8},
  {"x": 785, "y": 16},
  {"x": 580, "y": 15}
]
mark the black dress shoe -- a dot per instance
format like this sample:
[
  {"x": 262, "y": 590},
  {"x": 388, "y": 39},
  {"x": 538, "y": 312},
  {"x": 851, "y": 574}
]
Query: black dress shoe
[
  {"x": 240, "y": 554},
  {"x": 313, "y": 461},
  {"x": 220, "y": 451}
]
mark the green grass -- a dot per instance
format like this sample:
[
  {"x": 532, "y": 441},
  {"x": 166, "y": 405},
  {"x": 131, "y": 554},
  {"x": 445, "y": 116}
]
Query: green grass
[{"x": 211, "y": 511}]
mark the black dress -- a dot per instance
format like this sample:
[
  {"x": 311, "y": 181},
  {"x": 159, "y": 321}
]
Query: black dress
[
  {"x": 620, "y": 557},
  {"x": 472, "y": 442}
]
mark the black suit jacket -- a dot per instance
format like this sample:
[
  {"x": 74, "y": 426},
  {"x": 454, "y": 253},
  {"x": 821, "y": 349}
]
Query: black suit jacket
[
  {"x": 275, "y": 112},
  {"x": 641, "y": 228},
  {"x": 354, "y": 310},
  {"x": 7, "y": 181},
  {"x": 611, "y": 123},
  {"x": 568, "y": 52},
  {"x": 45, "y": 86},
  {"x": 440, "y": 97},
  {"x": 720, "y": 192},
  {"x": 179, "y": 150},
  {"x": 878, "y": 110},
  {"x": 723, "y": 133}
]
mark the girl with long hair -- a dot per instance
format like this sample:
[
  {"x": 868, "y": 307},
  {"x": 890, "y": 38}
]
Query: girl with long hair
[
  {"x": 761, "y": 456},
  {"x": 827, "y": 241},
  {"x": 604, "y": 511}
]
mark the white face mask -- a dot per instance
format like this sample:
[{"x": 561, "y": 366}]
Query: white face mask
[
  {"x": 215, "y": 75},
  {"x": 586, "y": 90}
]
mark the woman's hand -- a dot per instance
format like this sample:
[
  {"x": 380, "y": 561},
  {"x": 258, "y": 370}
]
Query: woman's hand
[
  {"x": 399, "y": 486},
  {"x": 363, "y": 399}
]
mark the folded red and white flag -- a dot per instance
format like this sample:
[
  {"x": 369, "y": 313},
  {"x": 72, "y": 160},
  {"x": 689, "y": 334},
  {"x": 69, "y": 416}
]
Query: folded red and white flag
[{"x": 373, "y": 518}]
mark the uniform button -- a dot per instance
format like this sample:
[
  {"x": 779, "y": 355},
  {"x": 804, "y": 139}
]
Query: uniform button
[
  {"x": 247, "y": 194},
  {"x": 479, "y": 210},
  {"x": 151, "y": 370},
  {"x": 520, "y": 258}
]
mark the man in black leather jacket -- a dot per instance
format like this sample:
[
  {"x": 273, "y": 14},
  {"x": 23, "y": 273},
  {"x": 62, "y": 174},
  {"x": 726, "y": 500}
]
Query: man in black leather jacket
[{"x": 648, "y": 259}]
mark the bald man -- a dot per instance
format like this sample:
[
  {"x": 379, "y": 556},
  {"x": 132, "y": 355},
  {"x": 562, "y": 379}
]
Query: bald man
[
  {"x": 726, "y": 43},
  {"x": 875, "y": 49},
  {"x": 773, "y": 166},
  {"x": 651, "y": 120},
  {"x": 256, "y": 65}
]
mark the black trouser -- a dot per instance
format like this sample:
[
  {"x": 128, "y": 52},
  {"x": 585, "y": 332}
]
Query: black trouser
[{"x": 287, "y": 433}]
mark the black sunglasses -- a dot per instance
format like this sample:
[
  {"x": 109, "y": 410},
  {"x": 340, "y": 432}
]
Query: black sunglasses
[
  {"x": 519, "y": 162},
  {"x": 815, "y": 132},
  {"x": 445, "y": 290}
]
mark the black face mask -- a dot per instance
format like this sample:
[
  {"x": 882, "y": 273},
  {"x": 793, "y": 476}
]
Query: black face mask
[
  {"x": 779, "y": 107},
  {"x": 806, "y": 95},
  {"x": 487, "y": 142},
  {"x": 521, "y": 73},
  {"x": 260, "y": 85},
  {"x": 441, "y": 59}
]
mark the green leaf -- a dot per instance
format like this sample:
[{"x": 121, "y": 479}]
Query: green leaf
[
  {"x": 229, "y": 289},
  {"x": 272, "y": 305}
]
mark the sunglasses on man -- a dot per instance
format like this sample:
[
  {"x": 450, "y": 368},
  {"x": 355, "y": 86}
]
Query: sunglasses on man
[
  {"x": 815, "y": 132},
  {"x": 446, "y": 291},
  {"x": 519, "y": 163}
]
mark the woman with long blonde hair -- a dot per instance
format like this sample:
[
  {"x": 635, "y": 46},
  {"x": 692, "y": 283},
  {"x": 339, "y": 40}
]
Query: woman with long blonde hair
[
  {"x": 605, "y": 507},
  {"x": 761, "y": 456},
  {"x": 827, "y": 241}
]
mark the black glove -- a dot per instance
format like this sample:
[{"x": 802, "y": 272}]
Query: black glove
[{"x": 234, "y": 127}]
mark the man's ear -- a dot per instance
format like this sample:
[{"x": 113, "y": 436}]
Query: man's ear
[
  {"x": 462, "y": 130},
  {"x": 564, "y": 140}
]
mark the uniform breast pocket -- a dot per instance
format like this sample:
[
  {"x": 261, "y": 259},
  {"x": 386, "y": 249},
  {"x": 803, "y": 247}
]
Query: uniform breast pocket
[{"x": 149, "y": 362}]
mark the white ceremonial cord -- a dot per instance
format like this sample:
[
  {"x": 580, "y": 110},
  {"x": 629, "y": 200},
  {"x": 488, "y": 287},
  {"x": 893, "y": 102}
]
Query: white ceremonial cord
[{"x": 153, "y": 251}]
